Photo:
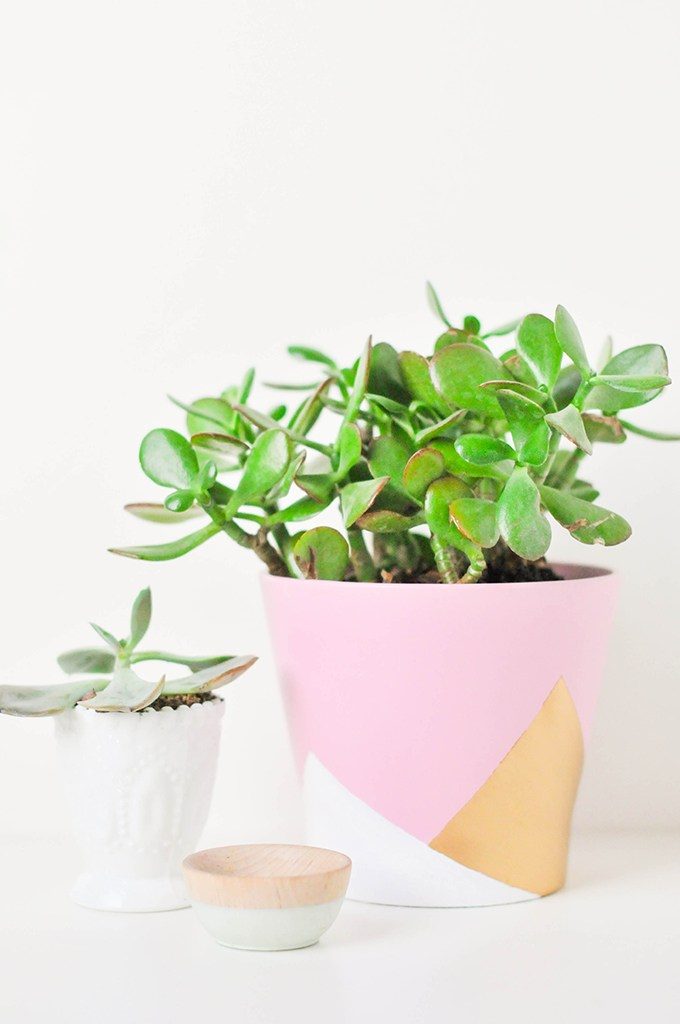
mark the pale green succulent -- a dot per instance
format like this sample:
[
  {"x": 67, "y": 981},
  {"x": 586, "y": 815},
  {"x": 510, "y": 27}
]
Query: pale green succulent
[{"x": 110, "y": 682}]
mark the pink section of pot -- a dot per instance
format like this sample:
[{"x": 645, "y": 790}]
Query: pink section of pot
[{"x": 411, "y": 695}]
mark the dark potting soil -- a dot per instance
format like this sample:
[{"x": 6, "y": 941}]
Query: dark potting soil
[{"x": 181, "y": 698}]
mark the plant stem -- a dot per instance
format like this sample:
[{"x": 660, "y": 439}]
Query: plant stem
[
  {"x": 257, "y": 542},
  {"x": 285, "y": 545},
  {"x": 476, "y": 567},
  {"x": 444, "y": 560},
  {"x": 360, "y": 556}
]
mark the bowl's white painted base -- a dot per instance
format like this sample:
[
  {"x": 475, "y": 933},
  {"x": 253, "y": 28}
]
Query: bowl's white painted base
[{"x": 267, "y": 929}]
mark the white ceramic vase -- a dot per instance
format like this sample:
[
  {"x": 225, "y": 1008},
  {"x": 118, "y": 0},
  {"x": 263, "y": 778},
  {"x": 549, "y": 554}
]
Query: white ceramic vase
[{"x": 139, "y": 786}]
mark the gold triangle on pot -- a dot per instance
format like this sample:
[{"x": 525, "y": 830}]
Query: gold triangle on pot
[{"x": 516, "y": 826}]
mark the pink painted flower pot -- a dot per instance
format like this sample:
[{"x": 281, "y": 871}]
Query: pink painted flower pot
[{"x": 439, "y": 730}]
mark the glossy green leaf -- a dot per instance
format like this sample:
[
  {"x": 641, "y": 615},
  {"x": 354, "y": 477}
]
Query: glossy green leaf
[
  {"x": 454, "y": 336},
  {"x": 569, "y": 338},
  {"x": 87, "y": 660},
  {"x": 538, "y": 346},
  {"x": 246, "y": 385},
  {"x": 387, "y": 456},
  {"x": 179, "y": 501},
  {"x": 216, "y": 413},
  {"x": 655, "y": 435},
  {"x": 482, "y": 450},
  {"x": 476, "y": 520},
  {"x": 126, "y": 692},
  {"x": 639, "y": 361},
  {"x": 355, "y": 499},
  {"x": 435, "y": 305},
  {"x": 173, "y": 549},
  {"x": 518, "y": 368},
  {"x": 631, "y": 383},
  {"x": 304, "y": 418},
  {"x": 107, "y": 637},
  {"x": 139, "y": 619},
  {"x": 499, "y": 332},
  {"x": 519, "y": 388},
  {"x": 569, "y": 423},
  {"x": 522, "y": 415},
  {"x": 322, "y": 554},
  {"x": 168, "y": 459},
  {"x": 319, "y": 486},
  {"x": 582, "y": 489},
  {"x": 421, "y": 470},
  {"x": 459, "y": 370},
  {"x": 154, "y": 512},
  {"x": 221, "y": 444},
  {"x": 603, "y": 429},
  {"x": 567, "y": 385},
  {"x": 456, "y": 465},
  {"x": 312, "y": 355},
  {"x": 283, "y": 486},
  {"x": 588, "y": 523},
  {"x": 415, "y": 371},
  {"x": 435, "y": 429},
  {"x": 195, "y": 664},
  {"x": 522, "y": 525},
  {"x": 472, "y": 325},
  {"x": 360, "y": 383},
  {"x": 303, "y": 508},
  {"x": 385, "y": 520},
  {"x": 266, "y": 465},
  {"x": 536, "y": 447},
  {"x": 41, "y": 701},
  {"x": 348, "y": 448},
  {"x": 210, "y": 678},
  {"x": 438, "y": 498},
  {"x": 384, "y": 375}
]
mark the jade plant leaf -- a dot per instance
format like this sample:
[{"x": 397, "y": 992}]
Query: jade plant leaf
[
  {"x": 211, "y": 678},
  {"x": 107, "y": 637},
  {"x": 604, "y": 429},
  {"x": 86, "y": 660},
  {"x": 348, "y": 448},
  {"x": 482, "y": 450},
  {"x": 499, "y": 332},
  {"x": 221, "y": 444},
  {"x": 266, "y": 465},
  {"x": 192, "y": 663},
  {"x": 435, "y": 429},
  {"x": 154, "y": 512},
  {"x": 385, "y": 520},
  {"x": 567, "y": 385},
  {"x": 180, "y": 501},
  {"x": 459, "y": 370},
  {"x": 357, "y": 498},
  {"x": 216, "y": 413},
  {"x": 415, "y": 370},
  {"x": 536, "y": 447},
  {"x": 322, "y": 554},
  {"x": 641, "y": 361},
  {"x": 538, "y": 346},
  {"x": 40, "y": 701},
  {"x": 586, "y": 522},
  {"x": 312, "y": 355},
  {"x": 387, "y": 456},
  {"x": 435, "y": 305},
  {"x": 168, "y": 459},
  {"x": 422, "y": 469},
  {"x": 522, "y": 525},
  {"x": 438, "y": 498},
  {"x": 569, "y": 423},
  {"x": 173, "y": 549},
  {"x": 140, "y": 619},
  {"x": 569, "y": 338},
  {"x": 384, "y": 375},
  {"x": 360, "y": 383},
  {"x": 303, "y": 508},
  {"x": 476, "y": 520},
  {"x": 319, "y": 486},
  {"x": 126, "y": 692}
]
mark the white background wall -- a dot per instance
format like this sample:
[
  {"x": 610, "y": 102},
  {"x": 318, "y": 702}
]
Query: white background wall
[{"x": 185, "y": 188}]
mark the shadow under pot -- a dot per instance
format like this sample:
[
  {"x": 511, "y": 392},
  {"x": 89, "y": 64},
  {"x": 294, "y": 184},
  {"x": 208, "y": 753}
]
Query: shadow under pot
[{"x": 139, "y": 787}]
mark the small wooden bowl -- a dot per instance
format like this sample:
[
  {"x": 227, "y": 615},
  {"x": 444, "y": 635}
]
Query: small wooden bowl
[{"x": 267, "y": 896}]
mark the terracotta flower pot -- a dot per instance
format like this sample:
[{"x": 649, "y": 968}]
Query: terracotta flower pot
[{"x": 440, "y": 729}]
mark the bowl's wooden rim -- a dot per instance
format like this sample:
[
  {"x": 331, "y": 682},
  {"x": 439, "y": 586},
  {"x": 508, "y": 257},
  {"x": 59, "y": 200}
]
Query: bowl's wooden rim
[{"x": 266, "y": 876}]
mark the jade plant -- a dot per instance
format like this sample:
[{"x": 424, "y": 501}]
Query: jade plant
[
  {"x": 446, "y": 468},
  {"x": 110, "y": 682}
]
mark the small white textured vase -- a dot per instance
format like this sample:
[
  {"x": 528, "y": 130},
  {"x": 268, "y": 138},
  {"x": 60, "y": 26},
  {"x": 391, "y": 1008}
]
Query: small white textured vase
[{"x": 139, "y": 786}]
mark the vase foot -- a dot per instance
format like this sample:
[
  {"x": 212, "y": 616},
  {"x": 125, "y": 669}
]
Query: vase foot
[{"x": 129, "y": 895}]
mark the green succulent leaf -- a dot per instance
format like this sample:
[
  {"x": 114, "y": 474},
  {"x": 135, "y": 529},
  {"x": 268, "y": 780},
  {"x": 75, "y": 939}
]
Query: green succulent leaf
[
  {"x": 319, "y": 486},
  {"x": 312, "y": 355},
  {"x": 567, "y": 385},
  {"x": 221, "y": 444},
  {"x": 519, "y": 388},
  {"x": 385, "y": 520},
  {"x": 208, "y": 413},
  {"x": 283, "y": 486},
  {"x": 569, "y": 423},
  {"x": 482, "y": 450},
  {"x": 348, "y": 448},
  {"x": 179, "y": 501},
  {"x": 87, "y": 660},
  {"x": 655, "y": 435},
  {"x": 422, "y": 469},
  {"x": 438, "y": 498},
  {"x": 140, "y": 619},
  {"x": 384, "y": 376},
  {"x": 360, "y": 383},
  {"x": 387, "y": 456},
  {"x": 266, "y": 464},
  {"x": 357, "y": 498},
  {"x": 603, "y": 429},
  {"x": 454, "y": 336},
  {"x": 210, "y": 678},
  {"x": 40, "y": 701},
  {"x": 631, "y": 383},
  {"x": 456, "y": 465},
  {"x": 435, "y": 305},
  {"x": 173, "y": 549},
  {"x": 569, "y": 338},
  {"x": 582, "y": 489},
  {"x": 322, "y": 554},
  {"x": 107, "y": 637},
  {"x": 126, "y": 692},
  {"x": 588, "y": 523},
  {"x": 435, "y": 429},
  {"x": 523, "y": 416},
  {"x": 168, "y": 459},
  {"x": 499, "y": 332},
  {"x": 303, "y": 508},
  {"x": 154, "y": 512},
  {"x": 415, "y": 371},
  {"x": 304, "y": 418},
  {"x": 538, "y": 346},
  {"x": 522, "y": 525},
  {"x": 459, "y": 370},
  {"x": 536, "y": 448},
  {"x": 641, "y": 361},
  {"x": 476, "y": 520}
]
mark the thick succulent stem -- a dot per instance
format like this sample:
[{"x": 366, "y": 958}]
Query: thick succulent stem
[
  {"x": 444, "y": 561},
  {"x": 257, "y": 542},
  {"x": 476, "y": 567},
  {"x": 285, "y": 545},
  {"x": 360, "y": 557}
]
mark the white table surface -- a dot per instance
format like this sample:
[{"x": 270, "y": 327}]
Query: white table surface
[{"x": 606, "y": 949}]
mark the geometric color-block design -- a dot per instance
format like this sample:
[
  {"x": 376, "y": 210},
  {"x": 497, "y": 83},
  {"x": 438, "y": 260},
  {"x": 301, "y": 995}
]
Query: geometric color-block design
[
  {"x": 516, "y": 826},
  {"x": 434, "y": 720},
  {"x": 391, "y": 866}
]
